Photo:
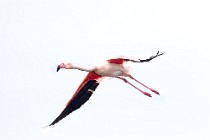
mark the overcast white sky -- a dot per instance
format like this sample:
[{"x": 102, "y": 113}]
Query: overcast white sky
[{"x": 37, "y": 35}]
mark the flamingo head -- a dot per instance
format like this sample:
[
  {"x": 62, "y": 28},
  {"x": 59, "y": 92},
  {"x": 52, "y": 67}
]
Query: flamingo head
[{"x": 65, "y": 66}]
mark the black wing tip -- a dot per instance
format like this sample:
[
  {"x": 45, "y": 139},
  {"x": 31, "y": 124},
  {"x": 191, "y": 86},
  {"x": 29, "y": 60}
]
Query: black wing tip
[
  {"x": 158, "y": 53},
  {"x": 50, "y": 124},
  {"x": 152, "y": 57},
  {"x": 56, "y": 121},
  {"x": 80, "y": 98}
]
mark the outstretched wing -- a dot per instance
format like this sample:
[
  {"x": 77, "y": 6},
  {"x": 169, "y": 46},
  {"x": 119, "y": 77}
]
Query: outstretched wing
[
  {"x": 82, "y": 95},
  {"x": 145, "y": 60},
  {"x": 151, "y": 57}
]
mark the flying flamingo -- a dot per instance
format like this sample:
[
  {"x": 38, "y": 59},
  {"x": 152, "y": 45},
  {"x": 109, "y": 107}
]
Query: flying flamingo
[{"x": 112, "y": 68}]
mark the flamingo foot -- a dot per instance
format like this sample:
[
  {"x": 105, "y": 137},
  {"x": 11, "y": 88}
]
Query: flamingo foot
[
  {"x": 156, "y": 92},
  {"x": 147, "y": 94}
]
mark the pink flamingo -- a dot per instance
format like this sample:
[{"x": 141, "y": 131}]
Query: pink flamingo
[{"x": 112, "y": 68}]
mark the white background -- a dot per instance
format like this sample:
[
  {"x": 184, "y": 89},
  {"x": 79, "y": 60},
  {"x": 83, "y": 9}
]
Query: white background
[{"x": 37, "y": 35}]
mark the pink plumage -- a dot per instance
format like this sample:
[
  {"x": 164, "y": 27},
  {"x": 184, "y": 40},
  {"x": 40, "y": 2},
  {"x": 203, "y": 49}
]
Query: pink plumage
[{"x": 110, "y": 68}]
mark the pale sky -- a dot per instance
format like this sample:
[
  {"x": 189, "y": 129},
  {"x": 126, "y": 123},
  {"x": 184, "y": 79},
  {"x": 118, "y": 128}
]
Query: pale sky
[{"x": 37, "y": 35}]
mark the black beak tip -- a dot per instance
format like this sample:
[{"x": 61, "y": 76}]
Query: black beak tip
[{"x": 58, "y": 68}]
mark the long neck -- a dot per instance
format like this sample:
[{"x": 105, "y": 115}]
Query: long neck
[{"x": 82, "y": 68}]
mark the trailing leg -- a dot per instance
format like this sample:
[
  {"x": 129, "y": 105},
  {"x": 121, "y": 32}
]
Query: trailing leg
[{"x": 126, "y": 81}]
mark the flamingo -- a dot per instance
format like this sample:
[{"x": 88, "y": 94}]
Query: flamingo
[{"x": 111, "y": 68}]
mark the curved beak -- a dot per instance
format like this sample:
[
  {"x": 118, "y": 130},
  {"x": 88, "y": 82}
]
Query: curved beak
[{"x": 58, "y": 68}]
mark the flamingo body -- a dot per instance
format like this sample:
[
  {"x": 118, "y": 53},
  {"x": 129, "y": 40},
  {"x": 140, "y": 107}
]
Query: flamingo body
[{"x": 110, "y": 68}]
